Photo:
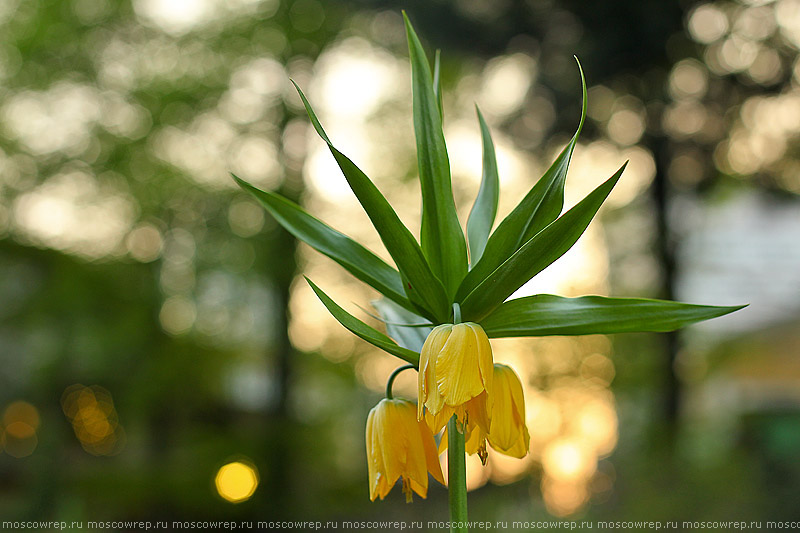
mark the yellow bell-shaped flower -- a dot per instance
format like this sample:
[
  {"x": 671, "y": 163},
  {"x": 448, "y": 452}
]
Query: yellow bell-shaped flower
[
  {"x": 507, "y": 433},
  {"x": 455, "y": 374},
  {"x": 398, "y": 445}
]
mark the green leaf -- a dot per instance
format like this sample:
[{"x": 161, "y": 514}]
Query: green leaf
[
  {"x": 356, "y": 259},
  {"x": 441, "y": 235},
  {"x": 536, "y": 254},
  {"x": 437, "y": 81},
  {"x": 481, "y": 218},
  {"x": 540, "y": 207},
  {"x": 421, "y": 285},
  {"x": 545, "y": 314},
  {"x": 366, "y": 332},
  {"x": 408, "y": 337}
]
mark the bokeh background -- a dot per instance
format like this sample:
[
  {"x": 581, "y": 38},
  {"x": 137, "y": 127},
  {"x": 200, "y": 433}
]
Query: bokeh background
[{"x": 153, "y": 327}]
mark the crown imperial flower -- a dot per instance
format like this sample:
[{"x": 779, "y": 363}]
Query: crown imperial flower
[
  {"x": 455, "y": 374},
  {"x": 398, "y": 445}
]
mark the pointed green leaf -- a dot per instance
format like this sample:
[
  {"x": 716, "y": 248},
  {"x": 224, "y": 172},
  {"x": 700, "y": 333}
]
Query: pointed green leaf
[
  {"x": 540, "y": 207},
  {"x": 441, "y": 235},
  {"x": 421, "y": 285},
  {"x": 408, "y": 337},
  {"x": 536, "y": 254},
  {"x": 545, "y": 314},
  {"x": 356, "y": 259},
  {"x": 481, "y": 218},
  {"x": 366, "y": 332},
  {"x": 437, "y": 81}
]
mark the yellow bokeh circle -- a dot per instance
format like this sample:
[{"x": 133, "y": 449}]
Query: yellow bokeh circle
[{"x": 236, "y": 481}]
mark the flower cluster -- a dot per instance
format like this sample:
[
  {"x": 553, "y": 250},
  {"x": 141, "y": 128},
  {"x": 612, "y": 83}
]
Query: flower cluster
[{"x": 457, "y": 377}]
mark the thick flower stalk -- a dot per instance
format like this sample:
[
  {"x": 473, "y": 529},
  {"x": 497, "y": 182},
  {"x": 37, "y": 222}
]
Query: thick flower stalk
[
  {"x": 399, "y": 446},
  {"x": 455, "y": 375}
]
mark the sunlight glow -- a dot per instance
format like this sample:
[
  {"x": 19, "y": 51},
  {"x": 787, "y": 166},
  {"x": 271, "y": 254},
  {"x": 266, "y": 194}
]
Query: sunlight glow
[
  {"x": 688, "y": 79},
  {"x": 354, "y": 78},
  {"x": 563, "y": 498},
  {"x": 506, "y": 81},
  {"x": 178, "y": 17},
  {"x": 707, "y": 23},
  {"x": 57, "y": 119},
  {"x": 626, "y": 127},
  {"x": 75, "y": 213},
  {"x": 787, "y": 14},
  {"x": 145, "y": 243},
  {"x": 568, "y": 460},
  {"x": 254, "y": 88}
]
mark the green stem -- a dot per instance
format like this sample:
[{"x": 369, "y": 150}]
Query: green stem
[
  {"x": 457, "y": 477},
  {"x": 456, "y": 313},
  {"x": 393, "y": 376}
]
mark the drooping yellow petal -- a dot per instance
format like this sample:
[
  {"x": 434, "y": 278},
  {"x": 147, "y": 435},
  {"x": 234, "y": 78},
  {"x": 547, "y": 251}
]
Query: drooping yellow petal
[
  {"x": 520, "y": 447},
  {"x": 414, "y": 461},
  {"x": 435, "y": 401},
  {"x": 393, "y": 443},
  {"x": 428, "y": 394},
  {"x": 379, "y": 485},
  {"x": 485, "y": 358},
  {"x": 442, "y": 443},
  {"x": 503, "y": 430},
  {"x": 411, "y": 485},
  {"x": 372, "y": 466},
  {"x": 457, "y": 366},
  {"x": 384, "y": 486},
  {"x": 523, "y": 442},
  {"x": 478, "y": 411},
  {"x": 437, "y": 421},
  {"x": 431, "y": 454},
  {"x": 508, "y": 433},
  {"x": 517, "y": 395}
]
